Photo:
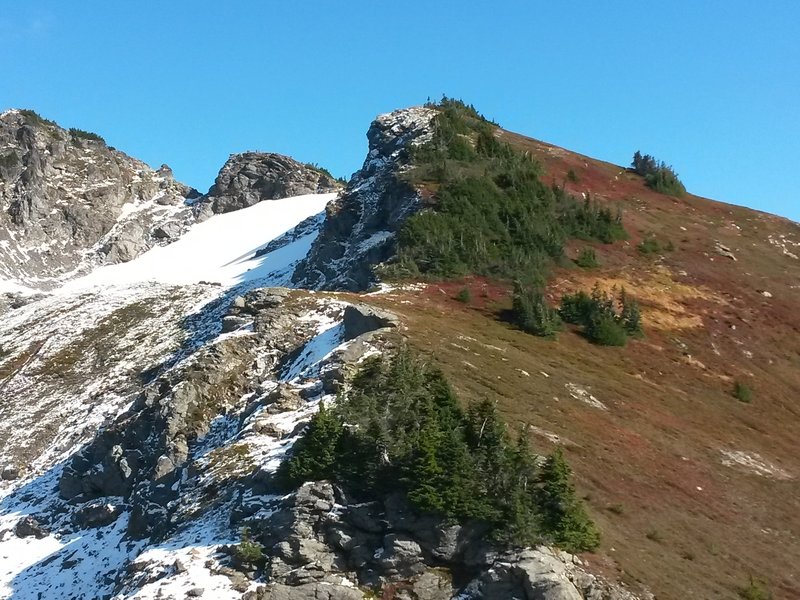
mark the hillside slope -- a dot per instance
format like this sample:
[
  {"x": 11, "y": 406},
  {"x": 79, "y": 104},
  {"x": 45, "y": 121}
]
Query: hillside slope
[
  {"x": 694, "y": 490},
  {"x": 145, "y": 406}
]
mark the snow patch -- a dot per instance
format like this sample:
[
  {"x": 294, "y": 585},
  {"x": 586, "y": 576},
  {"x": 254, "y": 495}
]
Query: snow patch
[{"x": 221, "y": 249}]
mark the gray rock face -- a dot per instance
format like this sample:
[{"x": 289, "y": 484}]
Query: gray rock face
[
  {"x": 252, "y": 177},
  {"x": 70, "y": 203},
  {"x": 316, "y": 537},
  {"x": 361, "y": 318},
  {"x": 30, "y": 527},
  {"x": 96, "y": 514},
  {"x": 360, "y": 225}
]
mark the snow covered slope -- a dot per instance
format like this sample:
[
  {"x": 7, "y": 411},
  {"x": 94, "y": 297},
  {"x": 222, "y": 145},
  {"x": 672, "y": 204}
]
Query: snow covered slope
[
  {"x": 222, "y": 249},
  {"x": 76, "y": 358}
]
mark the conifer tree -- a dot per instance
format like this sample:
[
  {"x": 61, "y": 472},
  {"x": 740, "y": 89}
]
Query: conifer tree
[
  {"x": 532, "y": 313},
  {"x": 314, "y": 455},
  {"x": 562, "y": 512},
  {"x": 630, "y": 316}
]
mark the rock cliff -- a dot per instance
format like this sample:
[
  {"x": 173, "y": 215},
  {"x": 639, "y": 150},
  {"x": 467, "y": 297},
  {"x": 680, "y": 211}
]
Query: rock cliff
[
  {"x": 253, "y": 177},
  {"x": 360, "y": 225},
  {"x": 69, "y": 202}
]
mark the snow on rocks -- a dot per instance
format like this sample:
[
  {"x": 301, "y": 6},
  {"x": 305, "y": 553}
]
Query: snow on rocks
[
  {"x": 754, "y": 463},
  {"x": 358, "y": 232},
  {"x": 579, "y": 393},
  {"x": 81, "y": 355},
  {"x": 222, "y": 249}
]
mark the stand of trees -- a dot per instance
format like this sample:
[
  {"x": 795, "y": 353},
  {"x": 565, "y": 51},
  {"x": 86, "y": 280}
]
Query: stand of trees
[
  {"x": 657, "y": 175},
  {"x": 491, "y": 215},
  {"x": 400, "y": 427},
  {"x": 607, "y": 319}
]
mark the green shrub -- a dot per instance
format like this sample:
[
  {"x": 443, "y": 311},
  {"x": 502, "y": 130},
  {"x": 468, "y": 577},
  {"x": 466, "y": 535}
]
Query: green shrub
[
  {"x": 607, "y": 320},
  {"x": 248, "y": 552},
  {"x": 401, "y": 428},
  {"x": 35, "y": 118},
  {"x": 532, "y": 314},
  {"x": 755, "y": 590},
  {"x": 604, "y": 330},
  {"x": 630, "y": 316},
  {"x": 649, "y": 245},
  {"x": 320, "y": 169},
  {"x": 464, "y": 295},
  {"x": 576, "y": 308},
  {"x": 572, "y": 176},
  {"x": 587, "y": 259},
  {"x": 314, "y": 455},
  {"x": 80, "y": 134},
  {"x": 742, "y": 392},
  {"x": 657, "y": 175},
  {"x": 591, "y": 220},
  {"x": 517, "y": 224},
  {"x": 655, "y": 536}
]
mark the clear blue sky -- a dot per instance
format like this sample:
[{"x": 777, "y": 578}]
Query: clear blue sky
[{"x": 712, "y": 87}]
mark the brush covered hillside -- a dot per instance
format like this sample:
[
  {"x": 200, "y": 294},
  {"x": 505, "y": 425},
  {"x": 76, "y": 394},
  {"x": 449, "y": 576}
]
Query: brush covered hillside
[
  {"x": 685, "y": 439},
  {"x": 486, "y": 367}
]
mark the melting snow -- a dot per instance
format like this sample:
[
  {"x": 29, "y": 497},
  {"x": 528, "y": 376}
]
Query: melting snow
[{"x": 221, "y": 250}]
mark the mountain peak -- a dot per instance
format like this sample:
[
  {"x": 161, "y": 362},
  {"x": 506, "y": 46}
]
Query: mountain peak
[
  {"x": 71, "y": 203},
  {"x": 248, "y": 178}
]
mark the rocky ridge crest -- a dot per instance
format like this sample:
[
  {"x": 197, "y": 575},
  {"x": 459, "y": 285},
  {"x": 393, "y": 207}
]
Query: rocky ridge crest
[
  {"x": 360, "y": 225},
  {"x": 69, "y": 202},
  {"x": 252, "y": 177}
]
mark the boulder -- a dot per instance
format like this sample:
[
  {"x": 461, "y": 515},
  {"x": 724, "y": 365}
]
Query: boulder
[
  {"x": 362, "y": 318},
  {"x": 433, "y": 585},
  {"x": 232, "y": 323},
  {"x": 264, "y": 298},
  {"x": 9, "y": 473},
  {"x": 96, "y": 514},
  {"x": 30, "y": 527},
  {"x": 400, "y": 555},
  {"x": 167, "y": 231}
]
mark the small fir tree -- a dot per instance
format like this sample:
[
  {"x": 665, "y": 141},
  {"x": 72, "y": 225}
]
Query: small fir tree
[
  {"x": 532, "y": 314},
  {"x": 562, "y": 512}
]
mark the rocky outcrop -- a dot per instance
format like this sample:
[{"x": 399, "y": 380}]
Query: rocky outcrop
[
  {"x": 144, "y": 454},
  {"x": 70, "y": 202},
  {"x": 360, "y": 225},
  {"x": 252, "y": 177},
  {"x": 361, "y": 318},
  {"x": 319, "y": 541}
]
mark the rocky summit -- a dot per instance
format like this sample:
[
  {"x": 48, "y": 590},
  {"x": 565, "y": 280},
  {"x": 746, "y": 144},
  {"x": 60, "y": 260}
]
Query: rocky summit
[
  {"x": 484, "y": 367},
  {"x": 252, "y": 177},
  {"x": 71, "y": 203}
]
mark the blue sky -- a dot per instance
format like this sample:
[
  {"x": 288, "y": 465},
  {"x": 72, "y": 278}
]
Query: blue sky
[{"x": 711, "y": 87}]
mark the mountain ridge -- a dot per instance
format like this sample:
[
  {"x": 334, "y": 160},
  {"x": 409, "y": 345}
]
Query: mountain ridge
[{"x": 228, "y": 372}]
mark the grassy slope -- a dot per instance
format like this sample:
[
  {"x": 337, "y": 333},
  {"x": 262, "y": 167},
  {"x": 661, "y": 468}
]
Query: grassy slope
[{"x": 651, "y": 466}]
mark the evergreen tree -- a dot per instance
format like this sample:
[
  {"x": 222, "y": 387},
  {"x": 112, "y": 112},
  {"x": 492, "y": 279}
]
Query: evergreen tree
[
  {"x": 562, "y": 512},
  {"x": 400, "y": 428},
  {"x": 605, "y": 330},
  {"x": 522, "y": 513},
  {"x": 532, "y": 314},
  {"x": 630, "y": 316},
  {"x": 314, "y": 456},
  {"x": 425, "y": 478}
]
